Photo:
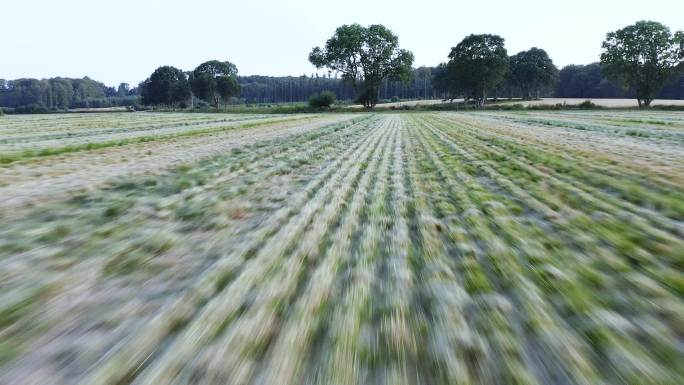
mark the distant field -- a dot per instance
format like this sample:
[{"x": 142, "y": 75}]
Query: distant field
[
  {"x": 488, "y": 247},
  {"x": 545, "y": 101},
  {"x": 605, "y": 102}
]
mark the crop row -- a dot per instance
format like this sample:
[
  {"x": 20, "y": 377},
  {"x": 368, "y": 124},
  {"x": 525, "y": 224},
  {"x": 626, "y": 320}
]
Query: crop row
[
  {"x": 26, "y": 148},
  {"x": 395, "y": 249}
]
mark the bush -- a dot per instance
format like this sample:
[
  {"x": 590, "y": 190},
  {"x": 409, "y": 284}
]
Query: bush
[
  {"x": 323, "y": 100},
  {"x": 395, "y": 99},
  {"x": 587, "y": 104}
]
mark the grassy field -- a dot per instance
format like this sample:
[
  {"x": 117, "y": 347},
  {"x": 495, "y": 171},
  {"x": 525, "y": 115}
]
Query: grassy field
[
  {"x": 550, "y": 102},
  {"x": 418, "y": 248}
]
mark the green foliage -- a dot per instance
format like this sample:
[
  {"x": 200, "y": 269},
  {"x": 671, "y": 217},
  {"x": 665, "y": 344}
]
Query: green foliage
[
  {"x": 479, "y": 63},
  {"x": 587, "y": 104},
  {"x": 530, "y": 70},
  {"x": 642, "y": 56},
  {"x": 365, "y": 57},
  {"x": 323, "y": 100},
  {"x": 123, "y": 90},
  {"x": 166, "y": 86},
  {"x": 56, "y": 94},
  {"x": 445, "y": 81},
  {"x": 215, "y": 81}
]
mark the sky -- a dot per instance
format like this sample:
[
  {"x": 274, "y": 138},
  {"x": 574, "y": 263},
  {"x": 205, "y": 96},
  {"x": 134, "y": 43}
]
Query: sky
[{"x": 125, "y": 40}]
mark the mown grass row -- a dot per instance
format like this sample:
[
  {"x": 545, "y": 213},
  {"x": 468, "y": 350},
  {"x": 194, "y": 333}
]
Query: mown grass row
[
  {"x": 486, "y": 261},
  {"x": 27, "y": 154},
  {"x": 230, "y": 302},
  {"x": 17, "y": 144},
  {"x": 125, "y": 202},
  {"x": 55, "y": 123},
  {"x": 247, "y": 250},
  {"x": 292, "y": 349},
  {"x": 399, "y": 249},
  {"x": 549, "y": 289},
  {"x": 655, "y": 129},
  {"x": 565, "y": 157}
]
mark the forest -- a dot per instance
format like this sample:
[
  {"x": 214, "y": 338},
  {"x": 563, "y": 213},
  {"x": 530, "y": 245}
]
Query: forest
[{"x": 574, "y": 81}]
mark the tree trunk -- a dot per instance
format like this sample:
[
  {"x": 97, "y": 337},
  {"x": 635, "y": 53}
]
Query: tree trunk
[
  {"x": 647, "y": 103},
  {"x": 640, "y": 102}
]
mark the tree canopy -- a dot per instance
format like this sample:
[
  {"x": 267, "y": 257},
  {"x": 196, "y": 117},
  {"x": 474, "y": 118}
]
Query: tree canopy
[
  {"x": 530, "y": 70},
  {"x": 167, "y": 85},
  {"x": 479, "y": 63},
  {"x": 445, "y": 81},
  {"x": 365, "y": 57},
  {"x": 215, "y": 81},
  {"x": 642, "y": 56},
  {"x": 42, "y": 95}
]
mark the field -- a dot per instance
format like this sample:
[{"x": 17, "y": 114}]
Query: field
[
  {"x": 410, "y": 248},
  {"x": 610, "y": 103}
]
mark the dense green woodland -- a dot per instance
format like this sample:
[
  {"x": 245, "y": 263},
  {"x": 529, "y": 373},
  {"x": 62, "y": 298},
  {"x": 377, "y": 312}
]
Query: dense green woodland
[
  {"x": 267, "y": 89},
  {"x": 574, "y": 81},
  {"x": 35, "y": 95}
]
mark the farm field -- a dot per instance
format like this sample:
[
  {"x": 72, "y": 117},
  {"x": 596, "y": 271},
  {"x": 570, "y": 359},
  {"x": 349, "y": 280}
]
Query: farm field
[
  {"x": 409, "y": 248},
  {"x": 609, "y": 103}
]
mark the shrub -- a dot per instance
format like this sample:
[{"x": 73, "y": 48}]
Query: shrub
[
  {"x": 395, "y": 99},
  {"x": 323, "y": 100},
  {"x": 588, "y": 104}
]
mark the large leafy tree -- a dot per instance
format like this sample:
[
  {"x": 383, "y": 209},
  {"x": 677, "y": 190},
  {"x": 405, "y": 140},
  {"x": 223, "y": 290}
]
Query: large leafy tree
[
  {"x": 479, "y": 63},
  {"x": 215, "y": 81},
  {"x": 531, "y": 70},
  {"x": 642, "y": 57},
  {"x": 365, "y": 57},
  {"x": 167, "y": 85}
]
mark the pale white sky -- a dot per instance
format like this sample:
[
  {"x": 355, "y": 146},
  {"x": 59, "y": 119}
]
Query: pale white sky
[{"x": 125, "y": 40}]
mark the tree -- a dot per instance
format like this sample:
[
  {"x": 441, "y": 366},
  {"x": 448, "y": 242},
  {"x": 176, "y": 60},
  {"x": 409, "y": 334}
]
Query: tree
[
  {"x": 167, "y": 85},
  {"x": 215, "y": 81},
  {"x": 123, "y": 89},
  {"x": 365, "y": 57},
  {"x": 531, "y": 70},
  {"x": 479, "y": 63},
  {"x": 642, "y": 57}
]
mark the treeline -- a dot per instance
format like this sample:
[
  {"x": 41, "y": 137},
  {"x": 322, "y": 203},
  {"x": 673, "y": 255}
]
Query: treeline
[
  {"x": 287, "y": 89},
  {"x": 588, "y": 81},
  {"x": 34, "y": 95},
  {"x": 573, "y": 81}
]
